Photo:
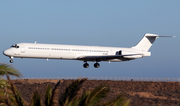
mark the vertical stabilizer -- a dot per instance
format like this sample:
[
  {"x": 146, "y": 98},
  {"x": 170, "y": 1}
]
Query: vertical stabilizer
[{"x": 147, "y": 41}]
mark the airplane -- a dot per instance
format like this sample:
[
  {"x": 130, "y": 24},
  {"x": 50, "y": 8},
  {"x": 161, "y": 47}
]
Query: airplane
[{"x": 83, "y": 53}]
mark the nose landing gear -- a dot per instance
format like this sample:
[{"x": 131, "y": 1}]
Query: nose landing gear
[{"x": 11, "y": 61}]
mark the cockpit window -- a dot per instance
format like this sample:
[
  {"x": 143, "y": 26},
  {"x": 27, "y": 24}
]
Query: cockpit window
[{"x": 15, "y": 46}]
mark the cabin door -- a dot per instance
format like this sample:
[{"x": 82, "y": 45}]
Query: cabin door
[{"x": 22, "y": 49}]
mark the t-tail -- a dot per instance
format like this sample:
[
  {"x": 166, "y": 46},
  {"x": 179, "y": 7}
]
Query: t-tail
[{"x": 147, "y": 41}]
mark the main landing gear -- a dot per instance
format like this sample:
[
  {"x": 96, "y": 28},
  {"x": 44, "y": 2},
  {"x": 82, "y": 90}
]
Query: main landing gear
[
  {"x": 86, "y": 65},
  {"x": 96, "y": 65}
]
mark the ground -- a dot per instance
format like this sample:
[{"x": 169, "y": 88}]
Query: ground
[{"x": 140, "y": 93}]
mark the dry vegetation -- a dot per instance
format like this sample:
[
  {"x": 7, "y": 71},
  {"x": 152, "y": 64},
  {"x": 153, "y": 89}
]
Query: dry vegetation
[
  {"x": 83, "y": 92},
  {"x": 139, "y": 92}
]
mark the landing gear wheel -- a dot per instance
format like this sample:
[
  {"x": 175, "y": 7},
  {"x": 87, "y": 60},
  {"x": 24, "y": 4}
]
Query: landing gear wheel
[
  {"x": 11, "y": 61},
  {"x": 85, "y": 65},
  {"x": 96, "y": 65}
]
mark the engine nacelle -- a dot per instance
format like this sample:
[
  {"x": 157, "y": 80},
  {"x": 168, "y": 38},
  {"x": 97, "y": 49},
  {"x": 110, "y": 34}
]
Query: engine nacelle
[{"x": 139, "y": 55}]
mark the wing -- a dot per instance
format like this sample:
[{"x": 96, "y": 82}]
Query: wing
[{"x": 103, "y": 58}]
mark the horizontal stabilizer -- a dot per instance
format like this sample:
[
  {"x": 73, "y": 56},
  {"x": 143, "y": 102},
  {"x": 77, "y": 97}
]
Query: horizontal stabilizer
[
  {"x": 147, "y": 41},
  {"x": 159, "y": 36}
]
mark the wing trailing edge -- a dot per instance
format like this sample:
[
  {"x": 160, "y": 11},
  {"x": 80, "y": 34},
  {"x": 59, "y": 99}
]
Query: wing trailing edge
[{"x": 104, "y": 58}]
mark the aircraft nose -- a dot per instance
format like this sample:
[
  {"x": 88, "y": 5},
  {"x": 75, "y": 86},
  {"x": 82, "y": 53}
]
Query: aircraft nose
[{"x": 7, "y": 52}]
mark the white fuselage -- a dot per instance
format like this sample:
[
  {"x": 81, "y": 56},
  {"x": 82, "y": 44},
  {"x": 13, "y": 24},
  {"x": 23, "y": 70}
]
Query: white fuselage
[
  {"x": 70, "y": 52},
  {"x": 82, "y": 53}
]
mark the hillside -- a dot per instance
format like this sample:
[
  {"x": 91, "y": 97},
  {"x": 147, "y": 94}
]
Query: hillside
[{"x": 141, "y": 93}]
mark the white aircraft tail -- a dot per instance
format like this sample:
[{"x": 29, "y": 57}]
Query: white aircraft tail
[{"x": 147, "y": 41}]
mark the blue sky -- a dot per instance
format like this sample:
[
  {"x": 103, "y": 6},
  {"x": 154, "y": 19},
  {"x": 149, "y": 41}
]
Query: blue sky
[{"x": 112, "y": 23}]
